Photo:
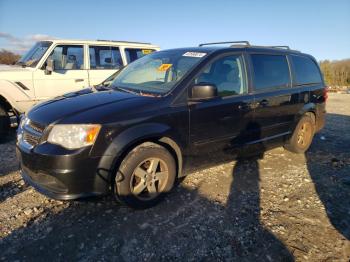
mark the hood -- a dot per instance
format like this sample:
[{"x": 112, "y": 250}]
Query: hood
[
  {"x": 15, "y": 73},
  {"x": 86, "y": 105},
  {"x": 14, "y": 68}
]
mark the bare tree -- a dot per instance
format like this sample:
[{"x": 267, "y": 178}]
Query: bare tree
[{"x": 8, "y": 58}]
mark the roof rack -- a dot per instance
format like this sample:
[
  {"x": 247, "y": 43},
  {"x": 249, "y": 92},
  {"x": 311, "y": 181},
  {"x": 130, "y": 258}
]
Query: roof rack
[
  {"x": 130, "y": 42},
  {"x": 280, "y": 46},
  {"x": 229, "y": 42}
]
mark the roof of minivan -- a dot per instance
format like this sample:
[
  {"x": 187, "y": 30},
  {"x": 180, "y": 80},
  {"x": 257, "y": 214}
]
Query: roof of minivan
[
  {"x": 103, "y": 42},
  {"x": 212, "y": 49}
]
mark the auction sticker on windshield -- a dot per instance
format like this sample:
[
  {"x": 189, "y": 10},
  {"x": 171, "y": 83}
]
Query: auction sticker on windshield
[
  {"x": 164, "y": 67},
  {"x": 194, "y": 54},
  {"x": 146, "y": 51}
]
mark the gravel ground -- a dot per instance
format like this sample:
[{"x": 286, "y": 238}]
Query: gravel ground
[{"x": 281, "y": 206}]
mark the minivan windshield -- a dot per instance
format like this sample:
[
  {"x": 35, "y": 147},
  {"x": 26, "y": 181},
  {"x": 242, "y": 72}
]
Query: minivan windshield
[
  {"x": 158, "y": 72},
  {"x": 33, "y": 56}
]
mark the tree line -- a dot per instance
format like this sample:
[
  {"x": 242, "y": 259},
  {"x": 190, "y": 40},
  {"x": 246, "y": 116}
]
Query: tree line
[
  {"x": 335, "y": 73},
  {"x": 8, "y": 58}
]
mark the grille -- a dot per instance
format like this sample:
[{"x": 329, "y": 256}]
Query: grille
[
  {"x": 31, "y": 139},
  {"x": 32, "y": 133},
  {"x": 37, "y": 127}
]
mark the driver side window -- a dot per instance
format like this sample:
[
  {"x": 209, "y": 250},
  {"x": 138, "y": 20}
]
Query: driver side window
[
  {"x": 227, "y": 74},
  {"x": 68, "y": 57}
]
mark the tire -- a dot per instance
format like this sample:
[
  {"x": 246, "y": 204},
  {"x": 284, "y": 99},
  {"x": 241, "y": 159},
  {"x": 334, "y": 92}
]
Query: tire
[
  {"x": 4, "y": 123},
  {"x": 145, "y": 175},
  {"x": 302, "y": 136}
]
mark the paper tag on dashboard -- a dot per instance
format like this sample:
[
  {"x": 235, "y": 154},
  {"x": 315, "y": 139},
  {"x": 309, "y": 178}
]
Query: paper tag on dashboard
[{"x": 194, "y": 54}]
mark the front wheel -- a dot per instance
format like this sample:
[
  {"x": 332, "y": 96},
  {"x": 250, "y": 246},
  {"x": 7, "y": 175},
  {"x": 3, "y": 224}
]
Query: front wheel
[
  {"x": 302, "y": 135},
  {"x": 145, "y": 175},
  {"x": 4, "y": 123}
]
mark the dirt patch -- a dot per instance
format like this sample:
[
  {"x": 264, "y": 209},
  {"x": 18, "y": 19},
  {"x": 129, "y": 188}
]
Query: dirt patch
[{"x": 280, "y": 206}]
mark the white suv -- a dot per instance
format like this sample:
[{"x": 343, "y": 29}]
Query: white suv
[{"x": 54, "y": 67}]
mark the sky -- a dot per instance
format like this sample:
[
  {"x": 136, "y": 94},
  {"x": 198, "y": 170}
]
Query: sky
[{"x": 320, "y": 28}]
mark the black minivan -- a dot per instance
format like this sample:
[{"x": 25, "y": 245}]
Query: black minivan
[{"x": 138, "y": 136}]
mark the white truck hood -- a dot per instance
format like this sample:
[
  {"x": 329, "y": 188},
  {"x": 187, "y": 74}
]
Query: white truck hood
[
  {"x": 15, "y": 73},
  {"x": 15, "y": 68}
]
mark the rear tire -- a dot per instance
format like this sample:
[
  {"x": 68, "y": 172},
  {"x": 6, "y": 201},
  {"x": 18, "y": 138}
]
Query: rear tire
[
  {"x": 4, "y": 123},
  {"x": 145, "y": 175},
  {"x": 302, "y": 136}
]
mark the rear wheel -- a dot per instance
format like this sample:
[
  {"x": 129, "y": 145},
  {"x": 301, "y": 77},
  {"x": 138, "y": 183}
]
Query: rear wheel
[
  {"x": 302, "y": 135},
  {"x": 146, "y": 174},
  {"x": 4, "y": 123}
]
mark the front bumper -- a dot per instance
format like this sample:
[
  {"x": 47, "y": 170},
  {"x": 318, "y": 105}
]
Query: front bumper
[{"x": 62, "y": 174}]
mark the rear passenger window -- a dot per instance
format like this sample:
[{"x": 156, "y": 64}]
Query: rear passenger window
[
  {"x": 134, "y": 53},
  {"x": 306, "y": 71},
  {"x": 105, "y": 57},
  {"x": 270, "y": 71}
]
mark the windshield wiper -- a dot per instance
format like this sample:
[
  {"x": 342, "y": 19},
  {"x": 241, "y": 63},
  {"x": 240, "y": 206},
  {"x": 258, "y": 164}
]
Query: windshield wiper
[
  {"x": 21, "y": 64},
  {"x": 127, "y": 90}
]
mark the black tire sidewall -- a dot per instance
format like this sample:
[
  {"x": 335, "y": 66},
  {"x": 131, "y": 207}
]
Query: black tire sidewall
[
  {"x": 4, "y": 123},
  {"x": 121, "y": 182}
]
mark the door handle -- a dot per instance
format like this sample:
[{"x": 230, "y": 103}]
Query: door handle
[
  {"x": 264, "y": 102},
  {"x": 248, "y": 106},
  {"x": 78, "y": 80}
]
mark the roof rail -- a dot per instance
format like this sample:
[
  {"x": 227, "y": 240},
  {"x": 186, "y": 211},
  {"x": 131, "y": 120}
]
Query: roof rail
[
  {"x": 229, "y": 42},
  {"x": 130, "y": 42},
  {"x": 280, "y": 46}
]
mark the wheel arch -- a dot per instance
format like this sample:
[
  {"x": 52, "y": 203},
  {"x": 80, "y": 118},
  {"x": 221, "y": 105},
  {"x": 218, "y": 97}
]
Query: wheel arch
[
  {"x": 5, "y": 103},
  {"x": 123, "y": 143},
  {"x": 307, "y": 109}
]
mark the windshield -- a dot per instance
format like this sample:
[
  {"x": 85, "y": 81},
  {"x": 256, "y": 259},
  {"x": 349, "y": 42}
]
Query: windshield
[
  {"x": 33, "y": 56},
  {"x": 158, "y": 72}
]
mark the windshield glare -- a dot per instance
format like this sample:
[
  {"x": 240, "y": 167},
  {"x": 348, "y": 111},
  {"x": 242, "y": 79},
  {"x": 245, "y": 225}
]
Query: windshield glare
[
  {"x": 33, "y": 56},
  {"x": 158, "y": 72}
]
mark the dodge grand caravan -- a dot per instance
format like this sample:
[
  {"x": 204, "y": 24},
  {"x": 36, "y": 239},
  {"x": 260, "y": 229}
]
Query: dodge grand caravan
[{"x": 137, "y": 137}]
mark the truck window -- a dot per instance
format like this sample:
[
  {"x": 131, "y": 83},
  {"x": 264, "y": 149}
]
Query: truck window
[
  {"x": 68, "y": 57},
  {"x": 305, "y": 70},
  {"x": 270, "y": 71},
  {"x": 105, "y": 57},
  {"x": 135, "y": 53}
]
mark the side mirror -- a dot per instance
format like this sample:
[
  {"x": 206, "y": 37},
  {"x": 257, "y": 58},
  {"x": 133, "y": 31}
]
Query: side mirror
[
  {"x": 203, "y": 91},
  {"x": 50, "y": 66}
]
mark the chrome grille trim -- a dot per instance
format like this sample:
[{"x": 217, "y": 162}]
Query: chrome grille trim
[
  {"x": 30, "y": 139},
  {"x": 32, "y": 133},
  {"x": 37, "y": 127}
]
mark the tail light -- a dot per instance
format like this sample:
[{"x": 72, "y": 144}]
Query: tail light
[{"x": 325, "y": 94}]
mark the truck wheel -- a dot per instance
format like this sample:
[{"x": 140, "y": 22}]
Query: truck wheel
[
  {"x": 302, "y": 135},
  {"x": 145, "y": 175},
  {"x": 4, "y": 123}
]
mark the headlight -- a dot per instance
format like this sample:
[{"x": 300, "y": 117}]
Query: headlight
[{"x": 73, "y": 136}]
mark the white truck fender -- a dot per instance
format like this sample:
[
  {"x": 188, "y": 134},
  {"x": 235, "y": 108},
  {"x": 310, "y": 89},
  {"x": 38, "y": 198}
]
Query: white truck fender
[{"x": 15, "y": 96}]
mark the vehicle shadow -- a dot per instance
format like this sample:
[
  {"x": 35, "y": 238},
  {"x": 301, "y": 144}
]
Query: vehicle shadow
[
  {"x": 11, "y": 188},
  {"x": 243, "y": 211},
  {"x": 328, "y": 163},
  {"x": 8, "y": 154}
]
